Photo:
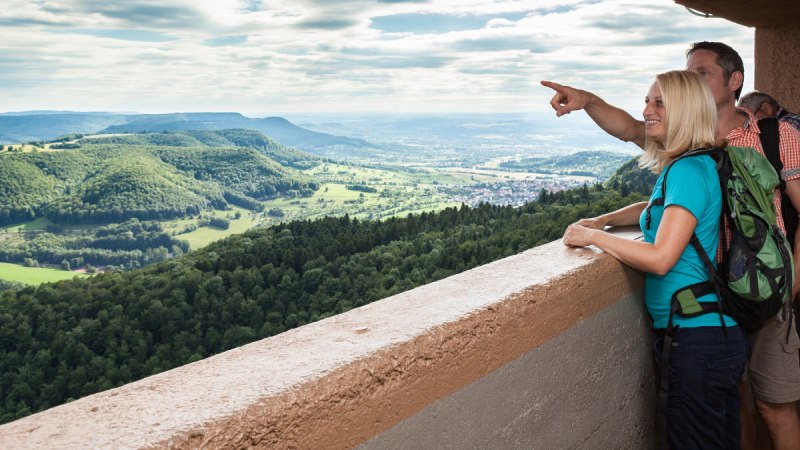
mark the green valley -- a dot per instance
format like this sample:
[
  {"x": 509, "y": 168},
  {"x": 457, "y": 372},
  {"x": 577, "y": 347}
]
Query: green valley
[
  {"x": 115, "y": 202},
  {"x": 122, "y": 201}
]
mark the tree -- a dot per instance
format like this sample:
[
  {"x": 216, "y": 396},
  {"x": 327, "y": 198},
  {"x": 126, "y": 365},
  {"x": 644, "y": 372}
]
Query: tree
[
  {"x": 65, "y": 265},
  {"x": 30, "y": 262},
  {"x": 220, "y": 222},
  {"x": 544, "y": 196}
]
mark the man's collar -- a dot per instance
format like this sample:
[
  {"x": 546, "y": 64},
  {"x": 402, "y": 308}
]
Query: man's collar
[{"x": 749, "y": 120}]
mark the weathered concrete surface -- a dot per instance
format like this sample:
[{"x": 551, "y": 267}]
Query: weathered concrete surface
[
  {"x": 341, "y": 381},
  {"x": 777, "y": 57},
  {"x": 589, "y": 388}
]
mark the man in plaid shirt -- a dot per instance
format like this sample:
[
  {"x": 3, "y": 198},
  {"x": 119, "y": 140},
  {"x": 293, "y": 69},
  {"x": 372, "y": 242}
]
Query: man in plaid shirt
[
  {"x": 774, "y": 365},
  {"x": 763, "y": 106}
]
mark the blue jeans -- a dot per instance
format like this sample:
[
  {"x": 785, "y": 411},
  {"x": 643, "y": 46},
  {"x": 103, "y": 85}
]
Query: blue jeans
[{"x": 703, "y": 400}]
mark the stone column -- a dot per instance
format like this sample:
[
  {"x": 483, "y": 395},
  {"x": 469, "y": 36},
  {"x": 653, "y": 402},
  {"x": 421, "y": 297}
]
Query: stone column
[{"x": 777, "y": 58}]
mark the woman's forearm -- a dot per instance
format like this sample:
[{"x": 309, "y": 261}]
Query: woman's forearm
[
  {"x": 658, "y": 257},
  {"x": 628, "y": 215},
  {"x": 637, "y": 254}
]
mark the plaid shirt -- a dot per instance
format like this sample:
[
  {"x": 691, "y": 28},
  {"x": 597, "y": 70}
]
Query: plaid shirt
[
  {"x": 748, "y": 136},
  {"x": 792, "y": 118}
]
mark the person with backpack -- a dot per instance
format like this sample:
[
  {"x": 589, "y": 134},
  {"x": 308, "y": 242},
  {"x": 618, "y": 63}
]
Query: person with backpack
[
  {"x": 774, "y": 365},
  {"x": 769, "y": 114},
  {"x": 702, "y": 407}
]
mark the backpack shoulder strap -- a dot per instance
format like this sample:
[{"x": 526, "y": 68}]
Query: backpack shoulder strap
[
  {"x": 696, "y": 152},
  {"x": 770, "y": 142},
  {"x": 713, "y": 151}
]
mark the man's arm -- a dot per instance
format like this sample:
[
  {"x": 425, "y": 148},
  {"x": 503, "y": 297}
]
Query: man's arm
[
  {"x": 612, "y": 120},
  {"x": 793, "y": 192},
  {"x": 790, "y": 157}
]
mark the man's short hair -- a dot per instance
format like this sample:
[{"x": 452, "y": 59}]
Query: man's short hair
[
  {"x": 754, "y": 100},
  {"x": 727, "y": 58}
]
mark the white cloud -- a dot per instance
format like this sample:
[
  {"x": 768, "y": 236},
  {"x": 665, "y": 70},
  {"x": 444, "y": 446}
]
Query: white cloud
[{"x": 306, "y": 55}]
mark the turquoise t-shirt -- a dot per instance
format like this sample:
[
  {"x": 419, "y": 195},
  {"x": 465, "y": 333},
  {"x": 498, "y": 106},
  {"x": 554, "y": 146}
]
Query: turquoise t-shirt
[{"x": 694, "y": 185}]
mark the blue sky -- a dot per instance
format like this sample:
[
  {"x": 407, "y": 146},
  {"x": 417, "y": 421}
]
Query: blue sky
[{"x": 271, "y": 57}]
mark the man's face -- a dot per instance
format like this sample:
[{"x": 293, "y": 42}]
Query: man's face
[{"x": 704, "y": 63}]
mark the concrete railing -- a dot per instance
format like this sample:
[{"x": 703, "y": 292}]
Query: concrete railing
[{"x": 546, "y": 349}]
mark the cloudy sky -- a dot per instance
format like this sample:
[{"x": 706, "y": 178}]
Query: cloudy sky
[{"x": 272, "y": 56}]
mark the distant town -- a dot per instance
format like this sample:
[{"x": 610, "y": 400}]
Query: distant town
[{"x": 514, "y": 193}]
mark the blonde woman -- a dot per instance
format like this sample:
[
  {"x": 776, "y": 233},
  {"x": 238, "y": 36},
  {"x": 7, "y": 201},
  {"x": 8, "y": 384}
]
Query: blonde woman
[{"x": 704, "y": 359}]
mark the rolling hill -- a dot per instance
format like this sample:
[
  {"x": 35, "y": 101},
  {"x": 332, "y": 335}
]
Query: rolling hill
[
  {"x": 45, "y": 126},
  {"x": 277, "y": 128},
  {"x": 599, "y": 164},
  {"x": 148, "y": 176}
]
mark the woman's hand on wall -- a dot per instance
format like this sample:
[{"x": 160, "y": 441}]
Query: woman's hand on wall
[
  {"x": 578, "y": 235},
  {"x": 595, "y": 223}
]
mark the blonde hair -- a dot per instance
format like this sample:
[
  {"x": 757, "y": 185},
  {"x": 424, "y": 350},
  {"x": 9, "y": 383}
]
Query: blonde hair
[{"x": 689, "y": 122}]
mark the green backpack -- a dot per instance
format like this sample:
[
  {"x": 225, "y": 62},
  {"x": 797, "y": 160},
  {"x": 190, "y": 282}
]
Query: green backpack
[{"x": 754, "y": 279}]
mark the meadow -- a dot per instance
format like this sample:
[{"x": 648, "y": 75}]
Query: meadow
[
  {"x": 399, "y": 191},
  {"x": 203, "y": 236},
  {"x": 35, "y": 275}
]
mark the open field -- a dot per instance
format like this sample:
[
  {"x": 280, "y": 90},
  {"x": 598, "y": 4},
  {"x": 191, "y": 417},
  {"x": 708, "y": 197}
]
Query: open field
[
  {"x": 28, "y": 148},
  {"x": 201, "y": 237},
  {"x": 397, "y": 192},
  {"x": 35, "y": 275},
  {"x": 37, "y": 224}
]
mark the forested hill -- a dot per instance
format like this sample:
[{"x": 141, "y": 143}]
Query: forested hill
[
  {"x": 597, "y": 164},
  {"x": 283, "y": 155},
  {"x": 278, "y": 128},
  {"x": 149, "y": 176},
  {"x": 70, "y": 339},
  {"x": 630, "y": 178}
]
